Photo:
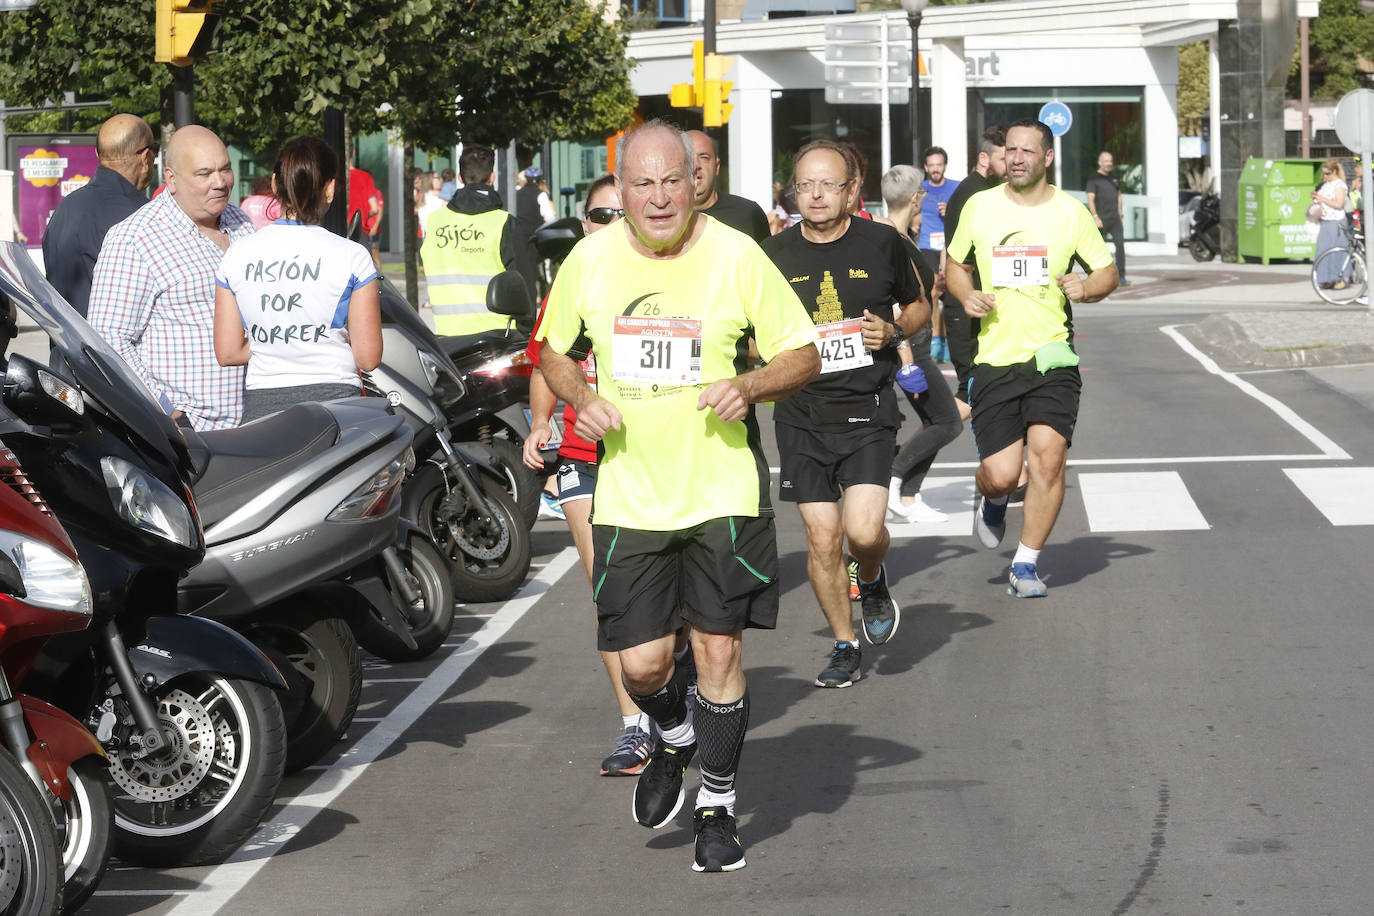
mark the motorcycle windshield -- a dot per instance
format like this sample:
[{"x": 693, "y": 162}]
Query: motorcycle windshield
[{"x": 102, "y": 373}]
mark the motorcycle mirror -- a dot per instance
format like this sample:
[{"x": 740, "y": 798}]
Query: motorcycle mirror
[
  {"x": 355, "y": 227},
  {"x": 508, "y": 294},
  {"x": 554, "y": 240},
  {"x": 43, "y": 397}
]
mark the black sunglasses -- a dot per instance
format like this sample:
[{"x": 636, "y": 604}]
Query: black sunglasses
[{"x": 604, "y": 215}]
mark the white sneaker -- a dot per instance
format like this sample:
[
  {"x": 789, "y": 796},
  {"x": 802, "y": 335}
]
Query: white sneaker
[
  {"x": 918, "y": 511},
  {"x": 894, "y": 503}
]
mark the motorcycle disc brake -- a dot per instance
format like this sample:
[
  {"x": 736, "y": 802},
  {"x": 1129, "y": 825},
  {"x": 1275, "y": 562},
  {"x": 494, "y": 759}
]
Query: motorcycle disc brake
[{"x": 178, "y": 767}]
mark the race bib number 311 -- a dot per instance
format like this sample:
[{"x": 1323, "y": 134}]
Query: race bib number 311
[
  {"x": 842, "y": 346},
  {"x": 1020, "y": 265},
  {"x": 656, "y": 351}
]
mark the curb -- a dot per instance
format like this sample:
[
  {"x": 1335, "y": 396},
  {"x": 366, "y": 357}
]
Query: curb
[{"x": 1225, "y": 335}]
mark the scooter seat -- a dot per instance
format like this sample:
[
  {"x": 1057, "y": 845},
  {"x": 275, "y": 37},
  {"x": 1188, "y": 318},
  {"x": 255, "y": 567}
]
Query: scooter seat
[{"x": 244, "y": 460}]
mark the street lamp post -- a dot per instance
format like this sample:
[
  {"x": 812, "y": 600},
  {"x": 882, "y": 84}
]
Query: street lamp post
[{"x": 914, "y": 9}]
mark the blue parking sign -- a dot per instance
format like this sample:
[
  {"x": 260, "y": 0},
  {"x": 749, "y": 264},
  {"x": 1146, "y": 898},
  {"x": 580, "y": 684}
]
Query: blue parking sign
[{"x": 1057, "y": 117}]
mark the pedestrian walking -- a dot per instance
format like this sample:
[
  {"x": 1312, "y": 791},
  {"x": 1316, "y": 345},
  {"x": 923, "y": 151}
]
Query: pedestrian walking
[
  {"x": 837, "y": 436},
  {"x": 153, "y": 292},
  {"x": 683, "y": 529},
  {"x": 1024, "y": 237},
  {"x": 125, "y": 154},
  {"x": 1104, "y": 203},
  {"x": 919, "y": 378},
  {"x": 296, "y": 303}
]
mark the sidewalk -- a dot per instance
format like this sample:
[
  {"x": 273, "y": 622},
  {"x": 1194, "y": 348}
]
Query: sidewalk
[{"x": 1266, "y": 324}]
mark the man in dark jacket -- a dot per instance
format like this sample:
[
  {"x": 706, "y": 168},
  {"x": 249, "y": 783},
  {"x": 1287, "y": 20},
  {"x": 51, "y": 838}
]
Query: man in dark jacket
[{"x": 125, "y": 149}]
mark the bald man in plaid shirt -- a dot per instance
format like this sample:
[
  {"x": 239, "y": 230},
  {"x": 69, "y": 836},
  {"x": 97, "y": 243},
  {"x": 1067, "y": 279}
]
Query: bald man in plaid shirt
[{"x": 153, "y": 293}]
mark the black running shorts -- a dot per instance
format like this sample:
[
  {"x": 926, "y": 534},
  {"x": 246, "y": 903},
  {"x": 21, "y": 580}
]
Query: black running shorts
[
  {"x": 720, "y": 576},
  {"x": 1006, "y": 400},
  {"x": 818, "y": 467}
]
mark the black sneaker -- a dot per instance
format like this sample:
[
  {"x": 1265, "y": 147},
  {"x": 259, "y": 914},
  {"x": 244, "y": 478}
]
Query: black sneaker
[
  {"x": 881, "y": 613},
  {"x": 658, "y": 794},
  {"x": 843, "y": 669},
  {"x": 718, "y": 847}
]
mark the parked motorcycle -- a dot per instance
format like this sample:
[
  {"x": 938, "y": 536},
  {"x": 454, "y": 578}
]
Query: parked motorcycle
[
  {"x": 184, "y": 707},
  {"x": 30, "y": 871},
  {"x": 44, "y": 591},
  {"x": 1204, "y": 242}
]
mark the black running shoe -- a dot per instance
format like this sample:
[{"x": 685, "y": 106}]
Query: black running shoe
[
  {"x": 881, "y": 613},
  {"x": 658, "y": 794},
  {"x": 843, "y": 668},
  {"x": 718, "y": 847}
]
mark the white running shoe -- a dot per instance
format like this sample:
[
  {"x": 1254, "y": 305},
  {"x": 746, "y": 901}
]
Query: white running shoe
[
  {"x": 894, "y": 503},
  {"x": 918, "y": 511}
]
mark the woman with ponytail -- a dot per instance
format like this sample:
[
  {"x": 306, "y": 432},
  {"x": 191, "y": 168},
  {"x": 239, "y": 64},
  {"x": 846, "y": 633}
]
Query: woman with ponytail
[{"x": 294, "y": 302}]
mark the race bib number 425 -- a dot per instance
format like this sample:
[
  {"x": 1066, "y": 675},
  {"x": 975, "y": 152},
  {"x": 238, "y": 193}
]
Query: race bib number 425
[
  {"x": 842, "y": 346},
  {"x": 1020, "y": 265},
  {"x": 656, "y": 351}
]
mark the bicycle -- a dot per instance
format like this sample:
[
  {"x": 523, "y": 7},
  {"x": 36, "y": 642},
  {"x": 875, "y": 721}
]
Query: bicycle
[{"x": 1349, "y": 265}]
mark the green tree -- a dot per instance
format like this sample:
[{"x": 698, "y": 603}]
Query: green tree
[{"x": 1340, "y": 48}]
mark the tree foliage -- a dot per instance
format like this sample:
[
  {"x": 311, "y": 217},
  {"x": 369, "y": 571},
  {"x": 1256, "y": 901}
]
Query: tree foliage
[
  {"x": 532, "y": 71},
  {"x": 1340, "y": 51},
  {"x": 1194, "y": 87}
]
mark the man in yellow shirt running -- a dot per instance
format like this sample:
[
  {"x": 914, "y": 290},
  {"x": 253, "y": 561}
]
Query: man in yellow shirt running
[
  {"x": 1024, "y": 385},
  {"x": 682, "y": 527}
]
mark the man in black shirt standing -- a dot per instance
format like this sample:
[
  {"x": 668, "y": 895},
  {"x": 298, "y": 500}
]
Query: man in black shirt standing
[
  {"x": 732, "y": 210},
  {"x": 125, "y": 150},
  {"x": 838, "y": 434},
  {"x": 1104, "y": 203},
  {"x": 961, "y": 333}
]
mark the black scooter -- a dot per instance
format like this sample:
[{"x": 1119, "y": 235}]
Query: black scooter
[
  {"x": 1204, "y": 241},
  {"x": 184, "y": 707}
]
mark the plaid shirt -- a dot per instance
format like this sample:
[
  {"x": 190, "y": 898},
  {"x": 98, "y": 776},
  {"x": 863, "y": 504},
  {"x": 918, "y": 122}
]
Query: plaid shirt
[{"x": 153, "y": 299}]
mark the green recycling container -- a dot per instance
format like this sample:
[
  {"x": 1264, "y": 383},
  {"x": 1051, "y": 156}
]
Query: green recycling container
[{"x": 1272, "y": 215}]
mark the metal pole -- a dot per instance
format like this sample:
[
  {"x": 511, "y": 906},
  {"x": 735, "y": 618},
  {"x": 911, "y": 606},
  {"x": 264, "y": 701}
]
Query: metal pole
[
  {"x": 886, "y": 95},
  {"x": 183, "y": 96},
  {"x": 1305, "y": 150},
  {"x": 708, "y": 28},
  {"x": 915, "y": 100},
  {"x": 336, "y": 217}
]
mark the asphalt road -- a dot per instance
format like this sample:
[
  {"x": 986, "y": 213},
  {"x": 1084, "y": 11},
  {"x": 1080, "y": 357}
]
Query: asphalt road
[{"x": 1180, "y": 727}]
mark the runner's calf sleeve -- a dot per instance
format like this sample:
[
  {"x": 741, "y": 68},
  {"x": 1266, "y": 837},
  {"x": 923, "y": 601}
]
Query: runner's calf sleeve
[
  {"x": 667, "y": 707},
  {"x": 720, "y": 738}
]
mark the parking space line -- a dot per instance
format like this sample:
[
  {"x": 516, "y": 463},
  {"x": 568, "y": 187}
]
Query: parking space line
[
  {"x": 226, "y": 880},
  {"x": 144, "y": 893},
  {"x": 367, "y": 681}
]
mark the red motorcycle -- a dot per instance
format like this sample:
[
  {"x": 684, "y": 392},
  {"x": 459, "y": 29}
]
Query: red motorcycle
[{"x": 43, "y": 591}]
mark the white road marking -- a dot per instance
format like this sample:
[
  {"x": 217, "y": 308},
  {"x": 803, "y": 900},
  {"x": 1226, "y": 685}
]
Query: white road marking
[
  {"x": 1344, "y": 495},
  {"x": 143, "y": 893},
  {"x": 368, "y": 681},
  {"x": 1142, "y": 501},
  {"x": 952, "y": 496},
  {"x": 226, "y": 880},
  {"x": 1285, "y": 413}
]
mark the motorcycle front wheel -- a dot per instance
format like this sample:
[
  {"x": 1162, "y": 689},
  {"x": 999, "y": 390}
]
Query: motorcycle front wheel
[
  {"x": 488, "y": 553},
  {"x": 430, "y": 618},
  {"x": 198, "y": 797},
  {"x": 85, "y": 831},
  {"x": 30, "y": 869},
  {"x": 319, "y": 658},
  {"x": 1199, "y": 250}
]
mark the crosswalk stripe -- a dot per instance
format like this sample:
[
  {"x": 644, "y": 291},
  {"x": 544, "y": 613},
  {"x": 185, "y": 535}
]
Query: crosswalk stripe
[
  {"x": 1344, "y": 495},
  {"x": 1139, "y": 501}
]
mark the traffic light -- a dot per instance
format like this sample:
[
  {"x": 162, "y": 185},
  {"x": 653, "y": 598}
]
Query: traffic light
[
  {"x": 691, "y": 95},
  {"x": 715, "y": 110},
  {"x": 185, "y": 30}
]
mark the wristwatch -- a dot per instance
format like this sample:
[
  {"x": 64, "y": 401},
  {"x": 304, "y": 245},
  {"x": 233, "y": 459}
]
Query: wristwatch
[{"x": 898, "y": 336}]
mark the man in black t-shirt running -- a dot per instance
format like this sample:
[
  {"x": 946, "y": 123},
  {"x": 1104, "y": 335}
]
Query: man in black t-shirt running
[
  {"x": 734, "y": 211},
  {"x": 837, "y": 436}
]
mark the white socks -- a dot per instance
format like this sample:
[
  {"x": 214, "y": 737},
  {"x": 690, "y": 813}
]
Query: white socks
[{"x": 1025, "y": 555}]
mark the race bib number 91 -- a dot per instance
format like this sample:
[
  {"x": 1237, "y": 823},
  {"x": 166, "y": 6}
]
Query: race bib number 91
[
  {"x": 1020, "y": 265},
  {"x": 656, "y": 351},
  {"x": 842, "y": 346}
]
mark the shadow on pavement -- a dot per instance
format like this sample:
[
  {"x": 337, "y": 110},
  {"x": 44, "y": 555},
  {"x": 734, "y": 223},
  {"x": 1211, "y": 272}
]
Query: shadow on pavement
[
  {"x": 924, "y": 630},
  {"x": 1065, "y": 564},
  {"x": 813, "y": 770}
]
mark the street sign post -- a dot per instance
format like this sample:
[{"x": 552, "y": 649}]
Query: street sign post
[
  {"x": 869, "y": 63},
  {"x": 1355, "y": 128},
  {"x": 1058, "y": 117}
]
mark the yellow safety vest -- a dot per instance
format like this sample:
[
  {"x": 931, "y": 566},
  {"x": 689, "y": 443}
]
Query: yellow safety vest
[{"x": 461, "y": 253}]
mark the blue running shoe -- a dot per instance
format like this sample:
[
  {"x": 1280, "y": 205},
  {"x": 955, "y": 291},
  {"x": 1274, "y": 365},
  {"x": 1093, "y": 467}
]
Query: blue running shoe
[
  {"x": 549, "y": 507},
  {"x": 989, "y": 522},
  {"x": 881, "y": 614},
  {"x": 1025, "y": 582}
]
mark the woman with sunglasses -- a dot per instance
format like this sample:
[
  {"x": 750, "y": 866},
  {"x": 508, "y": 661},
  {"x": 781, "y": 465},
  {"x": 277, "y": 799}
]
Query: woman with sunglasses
[
  {"x": 294, "y": 302},
  {"x": 576, "y": 480},
  {"x": 1330, "y": 197}
]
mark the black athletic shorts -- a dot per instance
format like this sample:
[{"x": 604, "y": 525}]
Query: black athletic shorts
[
  {"x": 720, "y": 576},
  {"x": 1006, "y": 400},
  {"x": 818, "y": 467}
]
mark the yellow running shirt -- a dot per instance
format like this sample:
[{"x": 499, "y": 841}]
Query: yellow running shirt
[
  {"x": 1020, "y": 253},
  {"x": 663, "y": 331}
]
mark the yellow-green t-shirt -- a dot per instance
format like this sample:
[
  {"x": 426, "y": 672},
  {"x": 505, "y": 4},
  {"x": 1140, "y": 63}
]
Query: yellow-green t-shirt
[
  {"x": 671, "y": 466},
  {"x": 1020, "y": 253}
]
